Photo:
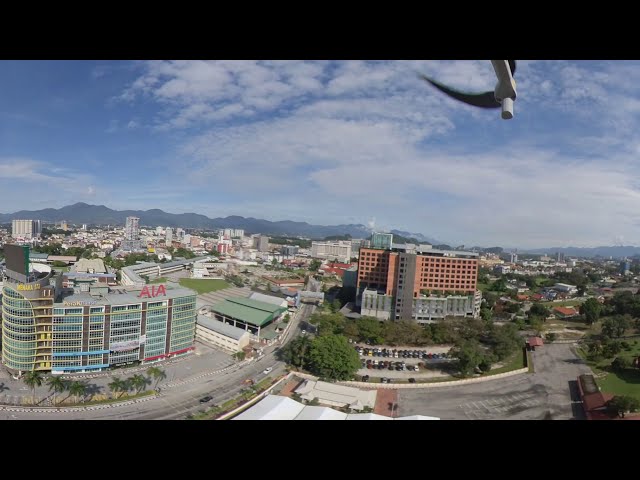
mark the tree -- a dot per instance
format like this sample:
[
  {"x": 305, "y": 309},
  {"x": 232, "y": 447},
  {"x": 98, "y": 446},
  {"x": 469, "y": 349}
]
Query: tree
[
  {"x": 240, "y": 356},
  {"x": 591, "y": 310},
  {"x": 469, "y": 355},
  {"x": 32, "y": 380},
  {"x": 485, "y": 313},
  {"x": 616, "y": 326},
  {"x": 611, "y": 349},
  {"x": 621, "y": 404},
  {"x": 296, "y": 352},
  {"x": 333, "y": 357},
  {"x": 621, "y": 363},
  {"x": 370, "y": 330},
  {"x": 57, "y": 385},
  {"x": 138, "y": 382},
  {"x": 314, "y": 265},
  {"x": 118, "y": 385},
  {"x": 504, "y": 340},
  {"x": 328, "y": 323},
  {"x": 405, "y": 332},
  {"x": 158, "y": 374},
  {"x": 78, "y": 389},
  {"x": 539, "y": 310},
  {"x": 551, "y": 337},
  {"x": 581, "y": 289},
  {"x": 335, "y": 305},
  {"x": 499, "y": 285}
]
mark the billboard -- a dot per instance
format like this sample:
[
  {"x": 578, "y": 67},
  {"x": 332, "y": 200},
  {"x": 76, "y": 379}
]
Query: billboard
[
  {"x": 124, "y": 346},
  {"x": 17, "y": 258}
]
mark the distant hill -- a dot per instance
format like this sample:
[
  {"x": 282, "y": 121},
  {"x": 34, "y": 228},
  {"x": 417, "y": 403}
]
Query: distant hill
[
  {"x": 79, "y": 213},
  {"x": 605, "y": 252}
]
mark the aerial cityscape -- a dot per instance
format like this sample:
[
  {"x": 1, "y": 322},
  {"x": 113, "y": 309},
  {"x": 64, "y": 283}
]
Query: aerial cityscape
[{"x": 315, "y": 240}]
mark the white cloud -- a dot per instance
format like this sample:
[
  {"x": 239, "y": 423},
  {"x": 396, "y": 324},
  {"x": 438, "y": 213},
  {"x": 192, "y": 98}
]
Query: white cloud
[
  {"x": 326, "y": 141},
  {"x": 26, "y": 182}
]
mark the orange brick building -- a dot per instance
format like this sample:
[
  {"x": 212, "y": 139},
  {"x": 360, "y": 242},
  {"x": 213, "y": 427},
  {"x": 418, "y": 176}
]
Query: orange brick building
[
  {"x": 414, "y": 279},
  {"x": 434, "y": 272}
]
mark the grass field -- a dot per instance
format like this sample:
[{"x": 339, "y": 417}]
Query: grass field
[
  {"x": 203, "y": 285},
  {"x": 159, "y": 280},
  {"x": 626, "y": 382}
]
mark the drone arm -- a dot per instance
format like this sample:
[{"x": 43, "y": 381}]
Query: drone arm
[{"x": 505, "y": 91}]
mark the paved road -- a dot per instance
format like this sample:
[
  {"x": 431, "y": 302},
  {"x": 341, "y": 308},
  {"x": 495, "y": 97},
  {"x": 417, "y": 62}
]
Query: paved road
[{"x": 549, "y": 393}]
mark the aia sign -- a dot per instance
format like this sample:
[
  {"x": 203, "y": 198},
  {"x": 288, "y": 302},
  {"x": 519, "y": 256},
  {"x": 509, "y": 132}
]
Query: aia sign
[{"x": 154, "y": 292}]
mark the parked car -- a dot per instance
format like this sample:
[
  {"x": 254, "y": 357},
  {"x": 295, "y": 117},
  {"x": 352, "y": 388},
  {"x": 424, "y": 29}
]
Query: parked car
[
  {"x": 206, "y": 399},
  {"x": 267, "y": 370},
  {"x": 365, "y": 378},
  {"x": 412, "y": 380}
]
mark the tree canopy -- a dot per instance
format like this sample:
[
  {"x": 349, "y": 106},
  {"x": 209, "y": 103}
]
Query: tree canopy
[
  {"x": 333, "y": 357},
  {"x": 591, "y": 309}
]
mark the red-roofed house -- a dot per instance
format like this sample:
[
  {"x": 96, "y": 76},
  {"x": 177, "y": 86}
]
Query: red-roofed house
[
  {"x": 522, "y": 298},
  {"x": 535, "y": 342},
  {"x": 565, "y": 312},
  {"x": 337, "y": 269},
  {"x": 537, "y": 296}
]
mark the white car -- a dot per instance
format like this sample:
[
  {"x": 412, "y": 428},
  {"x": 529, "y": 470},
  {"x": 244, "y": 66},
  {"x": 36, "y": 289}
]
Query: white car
[{"x": 267, "y": 370}]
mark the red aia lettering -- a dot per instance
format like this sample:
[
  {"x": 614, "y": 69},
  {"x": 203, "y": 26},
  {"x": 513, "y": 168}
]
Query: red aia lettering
[{"x": 160, "y": 290}]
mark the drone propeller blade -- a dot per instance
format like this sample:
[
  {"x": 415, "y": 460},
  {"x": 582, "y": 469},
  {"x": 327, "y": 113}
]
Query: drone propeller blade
[
  {"x": 482, "y": 100},
  {"x": 512, "y": 66}
]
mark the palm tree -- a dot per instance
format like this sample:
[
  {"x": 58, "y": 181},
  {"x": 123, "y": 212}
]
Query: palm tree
[
  {"x": 57, "y": 384},
  {"x": 32, "y": 380},
  {"x": 78, "y": 389},
  {"x": 118, "y": 385},
  {"x": 138, "y": 382},
  {"x": 158, "y": 374}
]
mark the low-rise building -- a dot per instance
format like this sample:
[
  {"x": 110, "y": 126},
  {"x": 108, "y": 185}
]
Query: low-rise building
[{"x": 221, "y": 335}]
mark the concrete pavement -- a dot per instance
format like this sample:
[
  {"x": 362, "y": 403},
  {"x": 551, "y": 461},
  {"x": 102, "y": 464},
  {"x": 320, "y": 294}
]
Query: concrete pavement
[{"x": 549, "y": 393}]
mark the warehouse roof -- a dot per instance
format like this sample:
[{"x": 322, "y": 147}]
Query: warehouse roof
[{"x": 247, "y": 310}]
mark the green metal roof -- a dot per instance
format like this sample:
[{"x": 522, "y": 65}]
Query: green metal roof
[
  {"x": 249, "y": 311},
  {"x": 257, "y": 304}
]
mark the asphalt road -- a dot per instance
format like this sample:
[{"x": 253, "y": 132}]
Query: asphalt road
[{"x": 549, "y": 393}]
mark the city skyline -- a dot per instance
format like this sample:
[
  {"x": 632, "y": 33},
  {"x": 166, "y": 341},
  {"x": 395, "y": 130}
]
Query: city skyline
[{"x": 331, "y": 143}]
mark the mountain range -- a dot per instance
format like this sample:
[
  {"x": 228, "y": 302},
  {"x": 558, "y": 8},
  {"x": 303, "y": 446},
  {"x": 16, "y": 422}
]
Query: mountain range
[
  {"x": 618, "y": 251},
  {"x": 80, "y": 213}
]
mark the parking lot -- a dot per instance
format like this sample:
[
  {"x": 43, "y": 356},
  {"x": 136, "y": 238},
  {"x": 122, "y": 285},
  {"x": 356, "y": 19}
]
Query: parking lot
[
  {"x": 549, "y": 393},
  {"x": 403, "y": 362}
]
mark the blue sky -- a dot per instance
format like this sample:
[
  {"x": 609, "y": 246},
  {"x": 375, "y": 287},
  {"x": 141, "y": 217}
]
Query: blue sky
[{"x": 332, "y": 142}]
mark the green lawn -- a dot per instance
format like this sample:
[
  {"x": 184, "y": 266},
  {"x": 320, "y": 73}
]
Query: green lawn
[
  {"x": 483, "y": 286},
  {"x": 618, "y": 383},
  {"x": 159, "y": 280},
  {"x": 515, "y": 362},
  {"x": 565, "y": 303},
  {"x": 203, "y": 285}
]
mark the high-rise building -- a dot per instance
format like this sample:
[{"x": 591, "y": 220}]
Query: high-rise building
[
  {"x": 340, "y": 251},
  {"x": 179, "y": 234},
  {"x": 26, "y": 228},
  {"x": 419, "y": 283},
  {"x": 381, "y": 240},
  {"x": 168, "y": 236},
  {"x": 261, "y": 243},
  {"x": 84, "y": 227},
  {"x": 132, "y": 228},
  {"x": 231, "y": 232}
]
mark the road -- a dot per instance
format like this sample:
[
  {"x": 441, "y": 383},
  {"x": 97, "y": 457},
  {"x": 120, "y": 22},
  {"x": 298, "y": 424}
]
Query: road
[{"x": 549, "y": 393}]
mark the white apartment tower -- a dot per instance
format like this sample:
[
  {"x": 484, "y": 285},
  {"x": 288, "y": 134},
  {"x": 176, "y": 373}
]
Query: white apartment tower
[
  {"x": 132, "y": 228},
  {"x": 340, "y": 251},
  {"x": 26, "y": 228}
]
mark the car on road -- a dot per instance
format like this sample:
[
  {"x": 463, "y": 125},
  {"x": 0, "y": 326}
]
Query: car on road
[
  {"x": 206, "y": 399},
  {"x": 267, "y": 370},
  {"x": 412, "y": 380}
]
